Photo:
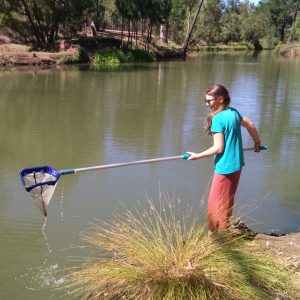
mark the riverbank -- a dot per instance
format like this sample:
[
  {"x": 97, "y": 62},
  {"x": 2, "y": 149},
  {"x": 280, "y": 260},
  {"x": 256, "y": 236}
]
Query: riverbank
[
  {"x": 238, "y": 264},
  {"x": 82, "y": 49},
  {"x": 285, "y": 249},
  {"x": 291, "y": 50},
  {"x": 77, "y": 50}
]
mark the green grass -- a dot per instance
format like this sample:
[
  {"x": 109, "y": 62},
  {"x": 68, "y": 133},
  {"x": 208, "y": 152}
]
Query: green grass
[
  {"x": 233, "y": 46},
  {"x": 79, "y": 57},
  {"x": 166, "y": 255},
  {"x": 115, "y": 56},
  {"x": 70, "y": 59}
]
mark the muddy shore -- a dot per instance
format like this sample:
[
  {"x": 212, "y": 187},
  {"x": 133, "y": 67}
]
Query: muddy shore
[{"x": 285, "y": 249}]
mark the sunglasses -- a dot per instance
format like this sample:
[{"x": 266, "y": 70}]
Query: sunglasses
[{"x": 210, "y": 100}]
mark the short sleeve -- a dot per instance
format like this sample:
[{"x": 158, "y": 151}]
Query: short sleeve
[
  {"x": 239, "y": 116},
  {"x": 216, "y": 125}
]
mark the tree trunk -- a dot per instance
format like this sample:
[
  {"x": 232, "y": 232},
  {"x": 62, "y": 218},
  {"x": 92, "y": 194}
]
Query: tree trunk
[
  {"x": 143, "y": 33},
  {"x": 129, "y": 32},
  {"x": 122, "y": 32},
  {"x": 150, "y": 33},
  {"x": 282, "y": 31},
  {"x": 188, "y": 21},
  {"x": 189, "y": 34},
  {"x": 164, "y": 32},
  {"x": 297, "y": 8},
  {"x": 35, "y": 30}
]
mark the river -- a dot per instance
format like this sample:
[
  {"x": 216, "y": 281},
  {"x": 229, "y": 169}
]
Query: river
[{"x": 73, "y": 117}]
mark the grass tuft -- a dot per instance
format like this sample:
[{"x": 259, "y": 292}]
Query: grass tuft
[
  {"x": 113, "y": 56},
  {"x": 163, "y": 255}
]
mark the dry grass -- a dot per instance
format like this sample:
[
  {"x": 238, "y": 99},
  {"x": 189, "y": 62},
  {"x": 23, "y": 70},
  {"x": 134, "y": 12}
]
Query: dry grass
[
  {"x": 290, "y": 50},
  {"x": 162, "y": 254},
  {"x": 14, "y": 48}
]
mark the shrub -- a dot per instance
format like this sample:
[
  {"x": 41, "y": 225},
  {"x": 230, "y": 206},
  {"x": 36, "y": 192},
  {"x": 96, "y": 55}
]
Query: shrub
[
  {"x": 108, "y": 57},
  {"x": 79, "y": 57},
  {"x": 114, "y": 56},
  {"x": 70, "y": 59},
  {"x": 140, "y": 55},
  {"x": 162, "y": 256}
]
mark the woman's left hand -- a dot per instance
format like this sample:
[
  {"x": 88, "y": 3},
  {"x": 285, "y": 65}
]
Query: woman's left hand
[{"x": 257, "y": 146}]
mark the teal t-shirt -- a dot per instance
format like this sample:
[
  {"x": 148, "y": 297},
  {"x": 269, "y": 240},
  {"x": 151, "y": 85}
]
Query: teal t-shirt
[{"x": 228, "y": 121}]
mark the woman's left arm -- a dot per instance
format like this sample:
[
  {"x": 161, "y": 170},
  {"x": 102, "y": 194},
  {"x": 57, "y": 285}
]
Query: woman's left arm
[{"x": 249, "y": 125}]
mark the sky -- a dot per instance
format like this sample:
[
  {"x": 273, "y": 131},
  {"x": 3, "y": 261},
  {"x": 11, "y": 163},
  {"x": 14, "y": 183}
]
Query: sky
[{"x": 254, "y": 1}]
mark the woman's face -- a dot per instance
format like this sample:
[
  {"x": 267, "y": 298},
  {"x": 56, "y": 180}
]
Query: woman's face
[{"x": 213, "y": 102}]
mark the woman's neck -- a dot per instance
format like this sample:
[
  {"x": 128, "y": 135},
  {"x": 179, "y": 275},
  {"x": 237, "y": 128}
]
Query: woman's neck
[{"x": 220, "y": 108}]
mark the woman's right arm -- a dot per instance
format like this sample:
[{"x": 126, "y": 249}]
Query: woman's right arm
[{"x": 218, "y": 147}]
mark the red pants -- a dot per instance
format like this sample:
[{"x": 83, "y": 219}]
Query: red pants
[{"x": 221, "y": 199}]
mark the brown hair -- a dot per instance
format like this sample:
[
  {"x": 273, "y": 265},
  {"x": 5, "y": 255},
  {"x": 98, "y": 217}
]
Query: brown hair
[{"x": 217, "y": 90}]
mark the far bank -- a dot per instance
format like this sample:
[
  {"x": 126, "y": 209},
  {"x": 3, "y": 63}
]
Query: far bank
[{"x": 105, "y": 49}]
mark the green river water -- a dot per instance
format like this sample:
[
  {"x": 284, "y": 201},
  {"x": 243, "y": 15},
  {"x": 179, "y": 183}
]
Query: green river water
[{"x": 75, "y": 117}]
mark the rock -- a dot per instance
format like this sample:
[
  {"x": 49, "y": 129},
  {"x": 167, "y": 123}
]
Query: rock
[{"x": 297, "y": 266}]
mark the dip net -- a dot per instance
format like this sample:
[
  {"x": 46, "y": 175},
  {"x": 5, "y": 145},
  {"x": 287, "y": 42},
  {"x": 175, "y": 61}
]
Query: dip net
[{"x": 40, "y": 182}]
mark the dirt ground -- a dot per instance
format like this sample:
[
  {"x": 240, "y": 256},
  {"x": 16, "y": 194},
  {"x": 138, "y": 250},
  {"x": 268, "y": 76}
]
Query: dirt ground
[
  {"x": 14, "y": 54},
  {"x": 283, "y": 248}
]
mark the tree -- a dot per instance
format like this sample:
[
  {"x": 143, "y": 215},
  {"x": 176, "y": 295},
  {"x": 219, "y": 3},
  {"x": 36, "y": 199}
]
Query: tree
[
  {"x": 177, "y": 20},
  {"x": 38, "y": 21},
  {"x": 295, "y": 31},
  {"x": 233, "y": 6},
  {"x": 189, "y": 34},
  {"x": 159, "y": 12},
  {"x": 190, "y": 4},
  {"x": 281, "y": 15},
  {"x": 253, "y": 28},
  {"x": 154, "y": 12},
  {"x": 165, "y": 7},
  {"x": 230, "y": 27},
  {"x": 210, "y": 24},
  {"x": 97, "y": 13}
]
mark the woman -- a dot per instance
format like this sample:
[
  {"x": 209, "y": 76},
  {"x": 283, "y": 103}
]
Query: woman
[{"x": 224, "y": 124}]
